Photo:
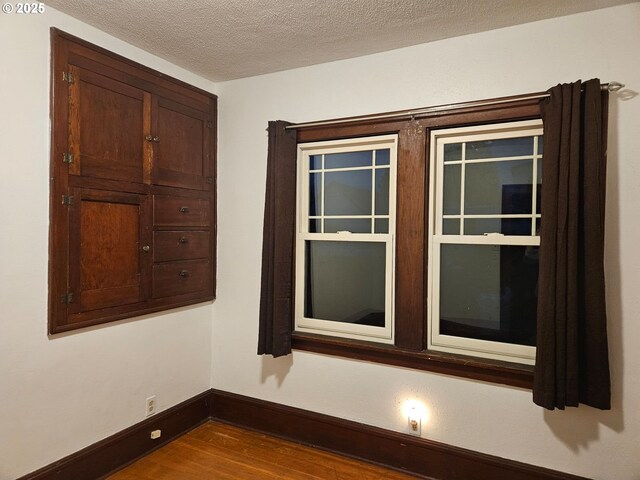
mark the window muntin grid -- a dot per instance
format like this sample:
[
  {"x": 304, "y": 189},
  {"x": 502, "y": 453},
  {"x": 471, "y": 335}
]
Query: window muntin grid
[
  {"x": 455, "y": 188},
  {"x": 349, "y": 191}
]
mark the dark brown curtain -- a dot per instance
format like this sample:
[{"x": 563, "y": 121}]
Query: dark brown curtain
[
  {"x": 276, "y": 302},
  {"x": 572, "y": 360}
]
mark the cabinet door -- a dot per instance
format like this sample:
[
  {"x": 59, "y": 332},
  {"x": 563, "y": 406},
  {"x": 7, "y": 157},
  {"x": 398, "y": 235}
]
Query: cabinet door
[
  {"x": 108, "y": 255},
  {"x": 182, "y": 140},
  {"x": 106, "y": 127}
]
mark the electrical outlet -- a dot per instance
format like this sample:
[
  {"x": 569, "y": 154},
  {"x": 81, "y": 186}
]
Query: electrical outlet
[
  {"x": 156, "y": 434},
  {"x": 415, "y": 426},
  {"x": 150, "y": 406},
  {"x": 414, "y": 422}
]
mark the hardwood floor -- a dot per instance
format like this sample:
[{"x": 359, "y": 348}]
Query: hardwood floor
[{"x": 219, "y": 451}]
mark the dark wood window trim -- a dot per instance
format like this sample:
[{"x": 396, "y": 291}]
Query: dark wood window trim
[
  {"x": 448, "y": 364},
  {"x": 411, "y": 242}
]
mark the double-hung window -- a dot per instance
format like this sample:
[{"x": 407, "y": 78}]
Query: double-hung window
[
  {"x": 485, "y": 184},
  {"x": 344, "y": 241},
  {"x": 417, "y": 239}
]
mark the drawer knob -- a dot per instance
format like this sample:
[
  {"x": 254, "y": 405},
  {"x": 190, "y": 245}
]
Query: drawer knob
[
  {"x": 184, "y": 209},
  {"x": 184, "y": 273},
  {"x": 146, "y": 248},
  {"x": 183, "y": 240}
]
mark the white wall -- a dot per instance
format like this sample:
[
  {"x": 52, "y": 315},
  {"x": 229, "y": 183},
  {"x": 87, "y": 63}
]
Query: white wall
[
  {"x": 489, "y": 418},
  {"x": 58, "y": 395}
]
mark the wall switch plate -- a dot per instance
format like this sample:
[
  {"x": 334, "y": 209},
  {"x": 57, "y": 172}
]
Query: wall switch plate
[{"x": 150, "y": 406}]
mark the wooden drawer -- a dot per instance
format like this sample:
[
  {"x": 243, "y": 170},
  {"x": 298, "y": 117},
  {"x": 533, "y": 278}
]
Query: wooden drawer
[
  {"x": 180, "y": 245},
  {"x": 178, "y": 278},
  {"x": 172, "y": 211}
]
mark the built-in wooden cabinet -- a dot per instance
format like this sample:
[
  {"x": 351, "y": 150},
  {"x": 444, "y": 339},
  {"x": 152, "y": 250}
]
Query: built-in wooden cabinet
[{"x": 132, "y": 189}]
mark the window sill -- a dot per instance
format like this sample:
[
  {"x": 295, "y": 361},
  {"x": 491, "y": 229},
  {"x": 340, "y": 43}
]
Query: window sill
[{"x": 460, "y": 366}]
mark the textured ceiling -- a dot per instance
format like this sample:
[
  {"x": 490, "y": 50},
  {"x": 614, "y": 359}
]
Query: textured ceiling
[{"x": 227, "y": 39}]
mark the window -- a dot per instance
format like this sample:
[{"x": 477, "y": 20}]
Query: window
[
  {"x": 344, "y": 244},
  {"x": 484, "y": 240},
  {"x": 434, "y": 241}
]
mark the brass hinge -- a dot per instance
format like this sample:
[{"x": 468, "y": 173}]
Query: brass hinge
[
  {"x": 67, "y": 157},
  {"x": 67, "y": 297},
  {"x": 67, "y": 199},
  {"x": 209, "y": 124},
  {"x": 68, "y": 77}
]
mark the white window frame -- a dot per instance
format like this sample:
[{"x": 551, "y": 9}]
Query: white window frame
[
  {"x": 334, "y": 328},
  {"x": 439, "y": 138}
]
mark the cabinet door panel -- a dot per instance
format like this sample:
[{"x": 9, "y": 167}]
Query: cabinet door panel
[
  {"x": 107, "y": 262},
  {"x": 182, "y": 149},
  {"x": 106, "y": 125}
]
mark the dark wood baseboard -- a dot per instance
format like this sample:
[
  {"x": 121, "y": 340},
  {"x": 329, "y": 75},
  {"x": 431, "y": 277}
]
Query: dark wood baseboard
[
  {"x": 114, "y": 452},
  {"x": 414, "y": 455}
]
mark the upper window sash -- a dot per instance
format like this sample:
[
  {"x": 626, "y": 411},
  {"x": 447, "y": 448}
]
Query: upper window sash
[
  {"x": 440, "y": 139},
  {"x": 381, "y": 222}
]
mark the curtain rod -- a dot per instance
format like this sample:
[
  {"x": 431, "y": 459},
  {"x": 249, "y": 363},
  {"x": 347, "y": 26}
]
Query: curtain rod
[{"x": 423, "y": 112}]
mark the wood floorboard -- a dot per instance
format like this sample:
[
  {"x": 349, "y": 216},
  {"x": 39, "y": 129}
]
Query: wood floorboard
[{"x": 219, "y": 451}]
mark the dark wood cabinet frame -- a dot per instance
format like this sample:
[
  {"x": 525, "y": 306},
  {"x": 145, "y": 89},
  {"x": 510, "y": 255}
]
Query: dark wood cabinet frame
[
  {"x": 146, "y": 197},
  {"x": 412, "y": 240}
]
